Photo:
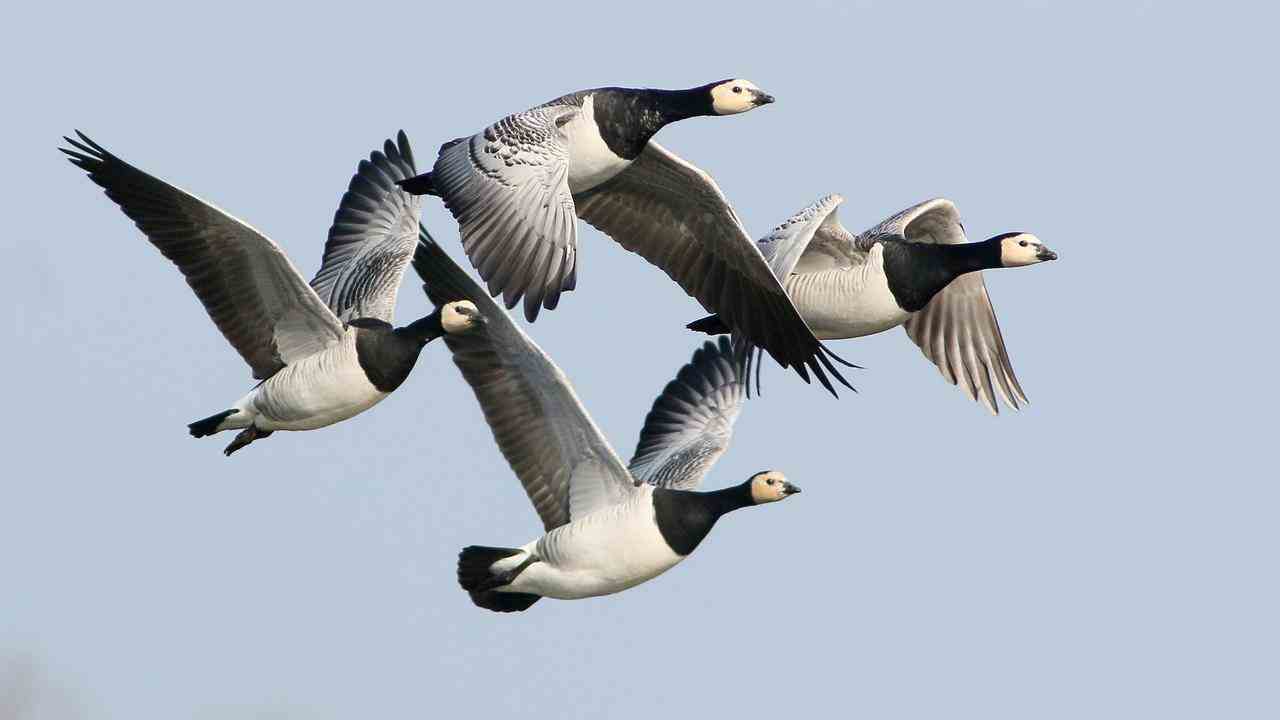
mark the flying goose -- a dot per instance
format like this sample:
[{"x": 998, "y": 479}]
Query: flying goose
[
  {"x": 324, "y": 352},
  {"x": 515, "y": 187},
  {"x": 915, "y": 269},
  {"x": 608, "y": 526}
]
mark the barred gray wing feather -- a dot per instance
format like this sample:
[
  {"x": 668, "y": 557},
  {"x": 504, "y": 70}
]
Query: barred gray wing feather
[
  {"x": 674, "y": 215},
  {"x": 508, "y": 188},
  {"x": 957, "y": 330},
  {"x": 565, "y": 463},
  {"x": 691, "y": 422},
  {"x": 372, "y": 238},
  {"x": 959, "y": 333},
  {"x": 934, "y": 221},
  {"x": 810, "y": 241},
  {"x": 251, "y": 291}
]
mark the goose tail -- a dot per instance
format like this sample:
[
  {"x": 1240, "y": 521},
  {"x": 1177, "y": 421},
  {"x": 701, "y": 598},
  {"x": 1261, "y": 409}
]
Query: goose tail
[
  {"x": 212, "y": 424},
  {"x": 423, "y": 184},
  {"x": 478, "y": 576}
]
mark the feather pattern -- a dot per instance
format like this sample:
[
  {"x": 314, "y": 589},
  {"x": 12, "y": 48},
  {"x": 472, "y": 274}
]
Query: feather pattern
[
  {"x": 251, "y": 291},
  {"x": 691, "y": 422},
  {"x": 372, "y": 237},
  {"x": 508, "y": 189}
]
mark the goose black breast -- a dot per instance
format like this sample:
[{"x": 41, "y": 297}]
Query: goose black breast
[{"x": 385, "y": 357}]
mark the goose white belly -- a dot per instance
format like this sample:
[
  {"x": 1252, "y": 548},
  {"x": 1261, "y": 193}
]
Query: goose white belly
[
  {"x": 605, "y": 552},
  {"x": 846, "y": 302},
  {"x": 591, "y": 162},
  {"x": 319, "y": 390}
]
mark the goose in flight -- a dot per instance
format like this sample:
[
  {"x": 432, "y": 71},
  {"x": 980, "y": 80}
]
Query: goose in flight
[
  {"x": 608, "y": 526},
  {"x": 516, "y": 187},
  {"x": 915, "y": 269},
  {"x": 324, "y": 351}
]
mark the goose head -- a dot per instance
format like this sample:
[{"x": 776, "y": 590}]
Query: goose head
[
  {"x": 736, "y": 96},
  {"x": 1020, "y": 248},
  {"x": 460, "y": 316},
  {"x": 770, "y": 486}
]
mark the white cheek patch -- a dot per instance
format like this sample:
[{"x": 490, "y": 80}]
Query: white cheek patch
[
  {"x": 1013, "y": 254},
  {"x": 727, "y": 102}
]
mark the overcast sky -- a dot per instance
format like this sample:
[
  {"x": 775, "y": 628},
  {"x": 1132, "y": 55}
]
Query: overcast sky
[{"x": 1109, "y": 552}]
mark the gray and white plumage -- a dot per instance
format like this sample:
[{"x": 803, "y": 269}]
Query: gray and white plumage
[
  {"x": 324, "y": 351},
  {"x": 372, "y": 237},
  {"x": 691, "y": 422},
  {"x": 516, "y": 187},
  {"x": 566, "y": 465},
  {"x": 508, "y": 187},
  {"x": 841, "y": 285},
  {"x": 607, "y": 528}
]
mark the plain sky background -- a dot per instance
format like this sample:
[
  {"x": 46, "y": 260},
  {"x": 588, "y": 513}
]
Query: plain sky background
[{"x": 1109, "y": 552}]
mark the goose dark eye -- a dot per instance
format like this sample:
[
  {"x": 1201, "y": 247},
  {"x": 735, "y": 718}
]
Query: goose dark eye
[
  {"x": 737, "y": 89},
  {"x": 1023, "y": 243},
  {"x": 770, "y": 481}
]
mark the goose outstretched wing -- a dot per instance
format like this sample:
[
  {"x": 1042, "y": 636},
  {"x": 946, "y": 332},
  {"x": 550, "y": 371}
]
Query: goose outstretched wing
[
  {"x": 675, "y": 216},
  {"x": 255, "y": 296},
  {"x": 566, "y": 465}
]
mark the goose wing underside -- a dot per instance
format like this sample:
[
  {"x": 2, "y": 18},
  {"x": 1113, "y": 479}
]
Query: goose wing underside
[
  {"x": 566, "y": 465},
  {"x": 674, "y": 215},
  {"x": 372, "y": 237},
  {"x": 957, "y": 331},
  {"x": 251, "y": 291},
  {"x": 691, "y": 422}
]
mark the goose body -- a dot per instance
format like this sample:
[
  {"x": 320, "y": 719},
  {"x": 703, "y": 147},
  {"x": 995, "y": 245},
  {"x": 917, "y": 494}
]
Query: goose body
[
  {"x": 606, "y": 551},
  {"x": 325, "y": 351},
  {"x": 518, "y": 187},
  {"x": 846, "y": 302},
  {"x": 608, "y": 527},
  {"x": 915, "y": 270}
]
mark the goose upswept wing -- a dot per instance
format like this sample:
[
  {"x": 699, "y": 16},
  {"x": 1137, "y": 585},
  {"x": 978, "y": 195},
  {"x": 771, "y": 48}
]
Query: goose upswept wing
[
  {"x": 252, "y": 292},
  {"x": 566, "y": 465},
  {"x": 674, "y": 215},
  {"x": 691, "y": 422},
  {"x": 372, "y": 237},
  {"x": 957, "y": 330}
]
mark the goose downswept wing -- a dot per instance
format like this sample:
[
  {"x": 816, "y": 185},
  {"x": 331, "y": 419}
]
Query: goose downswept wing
[
  {"x": 957, "y": 331},
  {"x": 675, "y": 216}
]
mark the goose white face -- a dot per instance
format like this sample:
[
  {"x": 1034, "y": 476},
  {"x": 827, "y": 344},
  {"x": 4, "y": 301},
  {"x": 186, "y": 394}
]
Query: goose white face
[
  {"x": 460, "y": 316},
  {"x": 737, "y": 96},
  {"x": 770, "y": 486},
  {"x": 1018, "y": 249}
]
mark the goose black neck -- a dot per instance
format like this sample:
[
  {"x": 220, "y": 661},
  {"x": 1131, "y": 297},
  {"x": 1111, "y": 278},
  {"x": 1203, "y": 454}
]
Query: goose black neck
[
  {"x": 685, "y": 517},
  {"x": 423, "y": 330},
  {"x": 676, "y": 105},
  {"x": 968, "y": 257},
  {"x": 728, "y": 499}
]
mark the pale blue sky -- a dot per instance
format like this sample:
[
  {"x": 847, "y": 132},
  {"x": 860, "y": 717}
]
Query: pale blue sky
[{"x": 1108, "y": 553}]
